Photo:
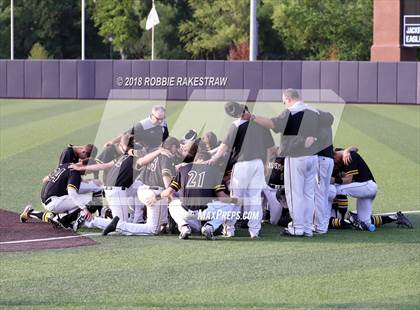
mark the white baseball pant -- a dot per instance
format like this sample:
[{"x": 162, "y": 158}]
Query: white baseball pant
[
  {"x": 138, "y": 214},
  {"x": 247, "y": 183},
  {"x": 62, "y": 204},
  {"x": 154, "y": 218},
  {"x": 118, "y": 201},
  {"x": 322, "y": 206},
  {"x": 365, "y": 192},
  {"x": 299, "y": 181},
  {"x": 274, "y": 206},
  {"x": 183, "y": 217},
  {"x": 89, "y": 187},
  {"x": 97, "y": 222}
]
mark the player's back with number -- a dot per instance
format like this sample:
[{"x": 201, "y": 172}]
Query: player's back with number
[
  {"x": 197, "y": 184},
  {"x": 59, "y": 180}
]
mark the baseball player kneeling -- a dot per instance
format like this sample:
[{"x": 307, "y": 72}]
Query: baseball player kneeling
[
  {"x": 156, "y": 176},
  {"x": 61, "y": 198},
  {"x": 355, "y": 179},
  {"x": 201, "y": 198}
]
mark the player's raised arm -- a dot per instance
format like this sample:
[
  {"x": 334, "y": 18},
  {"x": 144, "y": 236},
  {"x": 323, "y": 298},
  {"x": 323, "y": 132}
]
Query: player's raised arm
[
  {"x": 148, "y": 158},
  {"x": 92, "y": 168}
]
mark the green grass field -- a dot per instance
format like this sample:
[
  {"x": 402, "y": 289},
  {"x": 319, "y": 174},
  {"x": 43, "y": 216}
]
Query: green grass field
[{"x": 344, "y": 269}]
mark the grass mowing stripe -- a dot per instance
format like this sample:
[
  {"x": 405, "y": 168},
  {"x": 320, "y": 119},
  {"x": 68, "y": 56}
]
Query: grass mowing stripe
[
  {"x": 410, "y": 115},
  {"x": 398, "y": 136},
  {"x": 18, "y": 119},
  {"x": 20, "y": 181},
  {"x": 24, "y": 137},
  {"x": 11, "y": 107}
]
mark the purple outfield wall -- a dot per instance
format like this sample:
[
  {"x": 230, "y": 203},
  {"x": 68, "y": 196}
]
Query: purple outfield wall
[{"x": 353, "y": 81}]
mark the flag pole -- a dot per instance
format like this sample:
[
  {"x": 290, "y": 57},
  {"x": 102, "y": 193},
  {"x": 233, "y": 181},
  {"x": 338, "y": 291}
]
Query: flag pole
[
  {"x": 153, "y": 35},
  {"x": 253, "y": 31},
  {"x": 153, "y": 42},
  {"x": 12, "y": 49},
  {"x": 83, "y": 30}
]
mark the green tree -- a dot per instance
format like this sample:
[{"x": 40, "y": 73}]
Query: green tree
[
  {"x": 4, "y": 30},
  {"x": 55, "y": 24},
  {"x": 328, "y": 29},
  {"x": 270, "y": 45},
  {"x": 215, "y": 27},
  {"x": 38, "y": 52},
  {"x": 121, "y": 20}
]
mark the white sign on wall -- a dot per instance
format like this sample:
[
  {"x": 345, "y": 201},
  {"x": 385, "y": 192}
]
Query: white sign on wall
[{"x": 411, "y": 31}]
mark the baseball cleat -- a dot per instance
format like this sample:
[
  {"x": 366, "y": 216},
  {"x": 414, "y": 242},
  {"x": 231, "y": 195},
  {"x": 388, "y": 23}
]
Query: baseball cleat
[
  {"x": 355, "y": 222},
  {"x": 287, "y": 233},
  {"x": 352, "y": 216},
  {"x": 79, "y": 222},
  {"x": 266, "y": 217},
  {"x": 208, "y": 232},
  {"x": 55, "y": 221},
  {"x": 111, "y": 226},
  {"x": 164, "y": 229},
  {"x": 24, "y": 216},
  {"x": 106, "y": 213},
  {"x": 403, "y": 221},
  {"x": 185, "y": 232}
]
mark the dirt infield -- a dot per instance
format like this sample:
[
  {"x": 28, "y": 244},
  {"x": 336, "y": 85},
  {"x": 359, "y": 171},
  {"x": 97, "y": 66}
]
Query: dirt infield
[{"x": 16, "y": 236}]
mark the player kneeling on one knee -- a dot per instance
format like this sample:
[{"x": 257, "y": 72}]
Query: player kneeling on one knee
[
  {"x": 61, "y": 198},
  {"x": 155, "y": 176},
  {"x": 201, "y": 197},
  {"x": 356, "y": 180}
]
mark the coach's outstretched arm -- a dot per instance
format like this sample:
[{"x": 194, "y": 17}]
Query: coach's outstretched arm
[
  {"x": 261, "y": 120},
  {"x": 277, "y": 124}
]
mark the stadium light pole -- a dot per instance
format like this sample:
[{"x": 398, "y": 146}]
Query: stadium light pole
[
  {"x": 83, "y": 29},
  {"x": 12, "y": 51},
  {"x": 253, "y": 31}
]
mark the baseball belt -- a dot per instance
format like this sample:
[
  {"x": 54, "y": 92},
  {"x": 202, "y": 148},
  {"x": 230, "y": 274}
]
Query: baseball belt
[{"x": 115, "y": 187}]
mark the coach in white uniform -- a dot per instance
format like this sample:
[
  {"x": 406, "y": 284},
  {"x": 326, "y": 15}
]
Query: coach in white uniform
[
  {"x": 325, "y": 169},
  {"x": 299, "y": 125}
]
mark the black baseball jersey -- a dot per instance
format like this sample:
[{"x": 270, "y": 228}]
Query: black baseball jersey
[
  {"x": 248, "y": 141},
  {"x": 122, "y": 173},
  {"x": 149, "y": 135},
  {"x": 108, "y": 154},
  {"x": 295, "y": 128},
  {"x": 68, "y": 156},
  {"x": 197, "y": 185},
  {"x": 152, "y": 174},
  {"x": 59, "y": 180},
  {"x": 276, "y": 171},
  {"x": 357, "y": 168},
  {"x": 325, "y": 136}
]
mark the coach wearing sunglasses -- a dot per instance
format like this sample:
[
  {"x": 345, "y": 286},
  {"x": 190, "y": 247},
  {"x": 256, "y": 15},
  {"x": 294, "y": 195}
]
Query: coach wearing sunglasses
[{"x": 145, "y": 136}]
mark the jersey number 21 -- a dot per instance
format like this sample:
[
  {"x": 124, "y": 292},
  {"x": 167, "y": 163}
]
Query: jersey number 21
[{"x": 192, "y": 179}]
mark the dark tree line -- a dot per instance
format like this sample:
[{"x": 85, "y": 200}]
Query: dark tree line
[{"x": 197, "y": 29}]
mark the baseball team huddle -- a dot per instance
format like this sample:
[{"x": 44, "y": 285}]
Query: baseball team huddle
[{"x": 146, "y": 182}]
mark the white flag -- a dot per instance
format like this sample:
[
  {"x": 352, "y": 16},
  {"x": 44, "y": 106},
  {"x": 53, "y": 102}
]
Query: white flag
[{"x": 152, "y": 18}]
